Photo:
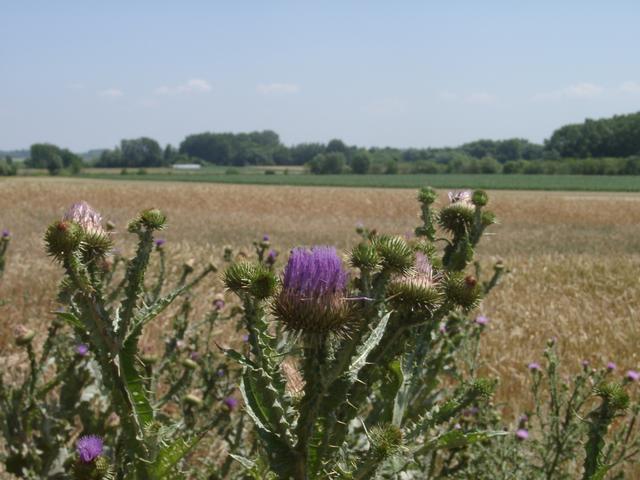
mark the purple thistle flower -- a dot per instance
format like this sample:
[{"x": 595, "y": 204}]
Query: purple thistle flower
[
  {"x": 584, "y": 363},
  {"x": 313, "y": 291},
  {"x": 632, "y": 376},
  {"x": 481, "y": 320},
  {"x": 6, "y": 233},
  {"x": 231, "y": 403},
  {"x": 534, "y": 366},
  {"x": 271, "y": 257},
  {"x": 220, "y": 373},
  {"x": 265, "y": 238},
  {"x": 442, "y": 328},
  {"x": 611, "y": 366},
  {"x": 463, "y": 198},
  {"x": 84, "y": 215},
  {"x": 194, "y": 356},
  {"x": 89, "y": 448},
  {"x": 160, "y": 242},
  {"x": 522, "y": 434},
  {"x": 245, "y": 338},
  {"x": 314, "y": 273},
  {"x": 82, "y": 349},
  {"x": 218, "y": 303}
]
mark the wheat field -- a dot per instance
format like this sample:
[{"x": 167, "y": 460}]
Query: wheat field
[{"x": 574, "y": 258}]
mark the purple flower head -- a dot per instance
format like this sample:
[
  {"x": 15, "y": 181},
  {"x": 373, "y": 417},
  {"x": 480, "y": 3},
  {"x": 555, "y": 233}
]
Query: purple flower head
[
  {"x": 315, "y": 273},
  {"x": 271, "y": 257},
  {"x": 82, "y": 350},
  {"x": 160, "y": 242},
  {"x": 194, "y": 356},
  {"x": 6, "y": 233},
  {"x": 220, "y": 373},
  {"x": 245, "y": 338},
  {"x": 84, "y": 215},
  {"x": 265, "y": 238},
  {"x": 584, "y": 363},
  {"x": 231, "y": 403},
  {"x": 534, "y": 366},
  {"x": 611, "y": 366},
  {"x": 89, "y": 448},
  {"x": 313, "y": 292},
  {"x": 463, "y": 198},
  {"x": 522, "y": 434},
  {"x": 218, "y": 303},
  {"x": 481, "y": 320},
  {"x": 442, "y": 328},
  {"x": 632, "y": 376}
]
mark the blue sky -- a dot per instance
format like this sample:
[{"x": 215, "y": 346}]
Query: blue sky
[{"x": 84, "y": 74}]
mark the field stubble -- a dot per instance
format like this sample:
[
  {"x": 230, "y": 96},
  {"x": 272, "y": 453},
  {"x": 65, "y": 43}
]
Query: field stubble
[{"x": 574, "y": 258}]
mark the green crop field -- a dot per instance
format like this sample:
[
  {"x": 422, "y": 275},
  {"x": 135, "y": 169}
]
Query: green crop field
[{"x": 494, "y": 182}]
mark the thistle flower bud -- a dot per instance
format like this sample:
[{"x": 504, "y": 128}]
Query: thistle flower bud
[
  {"x": 95, "y": 238},
  {"x": 62, "y": 238},
  {"x": 365, "y": 257},
  {"x": 231, "y": 403},
  {"x": 614, "y": 395},
  {"x": 151, "y": 219},
  {"x": 6, "y": 234},
  {"x": 271, "y": 257},
  {"x": 312, "y": 299},
  {"x": 385, "y": 441},
  {"x": 396, "y": 255},
  {"x": 23, "y": 335},
  {"x": 457, "y": 217},
  {"x": 159, "y": 243},
  {"x": 188, "y": 266},
  {"x": 522, "y": 434},
  {"x": 82, "y": 350},
  {"x": 418, "y": 290},
  {"x": 245, "y": 277},
  {"x": 189, "y": 364},
  {"x": 480, "y": 198},
  {"x": 193, "y": 400},
  {"x": 427, "y": 195},
  {"x": 463, "y": 291},
  {"x": 360, "y": 228}
]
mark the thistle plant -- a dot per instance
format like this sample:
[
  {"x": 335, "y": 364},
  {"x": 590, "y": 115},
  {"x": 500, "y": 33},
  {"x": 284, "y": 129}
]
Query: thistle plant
[
  {"x": 5, "y": 238},
  {"x": 368, "y": 345}
]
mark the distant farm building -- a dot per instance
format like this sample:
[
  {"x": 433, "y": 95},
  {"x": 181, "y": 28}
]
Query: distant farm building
[{"x": 187, "y": 166}]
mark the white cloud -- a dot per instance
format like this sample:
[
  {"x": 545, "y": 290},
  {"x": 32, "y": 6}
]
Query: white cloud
[
  {"x": 578, "y": 90},
  {"x": 111, "y": 93},
  {"x": 630, "y": 87},
  {"x": 480, "y": 98},
  {"x": 194, "y": 85},
  {"x": 277, "y": 88}
]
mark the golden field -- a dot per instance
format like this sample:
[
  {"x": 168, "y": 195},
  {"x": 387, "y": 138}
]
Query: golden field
[{"x": 574, "y": 258}]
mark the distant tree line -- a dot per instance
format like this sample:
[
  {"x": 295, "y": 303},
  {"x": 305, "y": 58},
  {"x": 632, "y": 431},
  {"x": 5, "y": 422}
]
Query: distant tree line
[{"x": 608, "y": 146}]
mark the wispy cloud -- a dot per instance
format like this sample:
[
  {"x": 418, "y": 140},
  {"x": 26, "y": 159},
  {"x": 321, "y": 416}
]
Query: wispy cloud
[
  {"x": 582, "y": 90},
  {"x": 630, "y": 87},
  {"x": 111, "y": 93},
  {"x": 277, "y": 88},
  {"x": 194, "y": 85}
]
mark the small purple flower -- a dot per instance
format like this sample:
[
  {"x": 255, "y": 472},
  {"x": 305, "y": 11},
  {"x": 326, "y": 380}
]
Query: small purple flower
[
  {"x": 194, "y": 356},
  {"x": 160, "y": 242},
  {"x": 89, "y": 448},
  {"x": 522, "y": 434},
  {"x": 6, "y": 233},
  {"x": 218, "y": 303},
  {"x": 584, "y": 363},
  {"x": 611, "y": 366},
  {"x": 265, "y": 238},
  {"x": 481, "y": 320},
  {"x": 231, "y": 403},
  {"x": 82, "y": 350},
  {"x": 534, "y": 366},
  {"x": 245, "y": 338},
  {"x": 632, "y": 376},
  {"x": 271, "y": 257},
  {"x": 523, "y": 418},
  {"x": 220, "y": 373},
  {"x": 442, "y": 328}
]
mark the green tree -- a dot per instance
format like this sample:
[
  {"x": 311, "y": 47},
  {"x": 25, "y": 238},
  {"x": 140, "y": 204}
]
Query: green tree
[{"x": 361, "y": 162}]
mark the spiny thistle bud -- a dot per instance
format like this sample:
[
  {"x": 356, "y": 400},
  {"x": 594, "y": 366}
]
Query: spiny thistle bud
[
  {"x": 614, "y": 396},
  {"x": 95, "y": 237},
  {"x": 418, "y": 290},
  {"x": 427, "y": 195},
  {"x": 23, "y": 335},
  {"x": 365, "y": 257},
  {"x": 457, "y": 217},
  {"x": 189, "y": 364},
  {"x": 481, "y": 388},
  {"x": 256, "y": 280},
  {"x": 193, "y": 400},
  {"x": 480, "y": 198},
  {"x": 385, "y": 440},
  {"x": 463, "y": 291},
  {"x": 312, "y": 299},
  {"x": 487, "y": 218},
  {"x": 151, "y": 219},
  {"x": 62, "y": 238},
  {"x": 188, "y": 266},
  {"x": 396, "y": 255}
]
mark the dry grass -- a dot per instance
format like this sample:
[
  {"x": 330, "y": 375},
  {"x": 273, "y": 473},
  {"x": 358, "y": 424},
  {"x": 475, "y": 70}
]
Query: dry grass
[{"x": 574, "y": 258}]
